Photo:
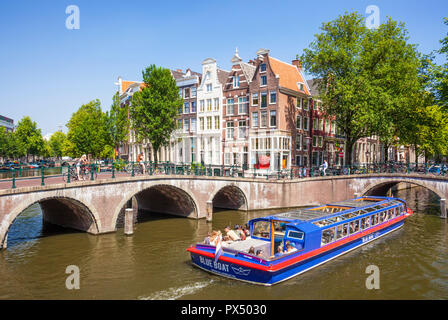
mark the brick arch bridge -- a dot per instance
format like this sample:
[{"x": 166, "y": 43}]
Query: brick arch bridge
[{"x": 96, "y": 206}]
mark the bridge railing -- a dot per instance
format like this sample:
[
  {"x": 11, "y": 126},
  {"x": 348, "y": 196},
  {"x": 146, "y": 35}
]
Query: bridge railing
[{"x": 9, "y": 178}]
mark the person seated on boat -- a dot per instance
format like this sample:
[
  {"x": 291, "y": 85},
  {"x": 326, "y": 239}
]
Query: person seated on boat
[
  {"x": 279, "y": 251},
  {"x": 260, "y": 253},
  {"x": 251, "y": 250},
  {"x": 246, "y": 230},
  {"x": 215, "y": 237},
  {"x": 290, "y": 248},
  {"x": 231, "y": 234},
  {"x": 207, "y": 238},
  {"x": 240, "y": 233}
]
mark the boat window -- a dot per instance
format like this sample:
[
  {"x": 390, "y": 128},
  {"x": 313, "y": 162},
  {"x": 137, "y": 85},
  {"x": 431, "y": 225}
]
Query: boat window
[
  {"x": 390, "y": 214},
  {"x": 376, "y": 219},
  {"x": 364, "y": 223},
  {"x": 345, "y": 230},
  {"x": 383, "y": 216},
  {"x": 295, "y": 234},
  {"x": 328, "y": 236},
  {"x": 354, "y": 226},
  {"x": 339, "y": 234},
  {"x": 279, "y": 228},
  {"x": 262, "y": 229}
]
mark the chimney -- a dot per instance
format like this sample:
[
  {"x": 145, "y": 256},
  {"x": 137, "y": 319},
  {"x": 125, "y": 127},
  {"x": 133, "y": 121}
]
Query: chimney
[
  {"x": 297, "y": 63},
  {"x": 179, "y": 70}
]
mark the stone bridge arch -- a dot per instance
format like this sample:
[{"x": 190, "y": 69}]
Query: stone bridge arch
[
  {"x": 379, "y": 187},
  {"x": 59, "y": 210},
  {"x": 162, "y": 198},
  {"x": 229, "y": 196}
]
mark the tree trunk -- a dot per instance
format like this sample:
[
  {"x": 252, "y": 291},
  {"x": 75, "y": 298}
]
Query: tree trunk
[{"x": 349, "y": 153}]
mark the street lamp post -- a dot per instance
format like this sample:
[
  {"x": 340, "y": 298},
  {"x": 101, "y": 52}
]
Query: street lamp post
[{"x": 309, "y": 146}]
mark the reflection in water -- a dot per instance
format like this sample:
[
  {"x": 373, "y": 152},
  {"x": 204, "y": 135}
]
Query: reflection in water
[{"x": 153, "y": 263}]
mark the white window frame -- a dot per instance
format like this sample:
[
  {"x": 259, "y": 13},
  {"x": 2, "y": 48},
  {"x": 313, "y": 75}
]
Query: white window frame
[{"x": 270, "y": 94}]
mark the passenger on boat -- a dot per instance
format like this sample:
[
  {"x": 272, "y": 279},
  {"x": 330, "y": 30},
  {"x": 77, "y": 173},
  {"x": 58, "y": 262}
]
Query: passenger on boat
[
  {"x": 240, "y": 233},
  {"x": 279, "y": 251},
  {"x": 246, "y": 230},
  {"x": 207, "y": 238},
  {"x": 251, "y": 250},
  {"x": 290, "y": 248},
  {"x": 259, "y": 253},
  {"x": 215, "y": 238},
  {"x": 231, "y": 234}
]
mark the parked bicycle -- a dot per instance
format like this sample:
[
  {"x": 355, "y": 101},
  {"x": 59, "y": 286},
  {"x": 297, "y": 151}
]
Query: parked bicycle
[{"x": 85, "y": 173}]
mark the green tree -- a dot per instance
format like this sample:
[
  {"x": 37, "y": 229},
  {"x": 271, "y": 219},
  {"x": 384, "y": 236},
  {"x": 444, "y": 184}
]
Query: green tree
[
  {"x": 365, "y": 76},
  {"x": 3, "y": 142},
  {"x": 153, "y": 110},
  {"x": 56, "y": 143},
  {"x": 87, "y": 131},
  {"x": 28, "y": 138},
  {"x": 117, "y": 123}
]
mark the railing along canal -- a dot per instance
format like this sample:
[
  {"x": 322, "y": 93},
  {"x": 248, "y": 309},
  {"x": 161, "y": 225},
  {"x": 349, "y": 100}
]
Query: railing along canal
[{"x": 121, "y": 168}]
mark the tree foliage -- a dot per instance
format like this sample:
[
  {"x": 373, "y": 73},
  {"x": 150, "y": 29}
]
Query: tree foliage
[
  {"x": 153, "y": 110},
  {"x": 28, "y": 138},
  {"x": 117, "y": 123},
  {"x": 365, "y": 75},
  {"x": 87, "y": 131},
  {"x": 56, "y": 144}
]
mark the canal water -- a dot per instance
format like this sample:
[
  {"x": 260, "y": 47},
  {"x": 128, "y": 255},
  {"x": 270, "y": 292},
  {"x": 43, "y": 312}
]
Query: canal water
[{"x": 153, "y": 263}]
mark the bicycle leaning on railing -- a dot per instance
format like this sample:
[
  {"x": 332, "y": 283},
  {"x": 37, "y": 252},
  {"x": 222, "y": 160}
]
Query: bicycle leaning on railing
[{"x": 85, "y": 173}]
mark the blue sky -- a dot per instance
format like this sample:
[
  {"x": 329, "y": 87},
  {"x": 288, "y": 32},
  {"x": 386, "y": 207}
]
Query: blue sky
[{"x": 48, "y": 71}]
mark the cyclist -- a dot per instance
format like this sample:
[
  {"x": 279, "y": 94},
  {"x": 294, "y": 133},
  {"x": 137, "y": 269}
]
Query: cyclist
[
  {"x": 140, "y": 161},
  {"x": 81, "y": 162}
]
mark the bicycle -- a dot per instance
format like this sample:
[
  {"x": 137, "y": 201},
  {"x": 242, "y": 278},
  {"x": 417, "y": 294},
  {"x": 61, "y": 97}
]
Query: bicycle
[{"x": 84, "y": 173}]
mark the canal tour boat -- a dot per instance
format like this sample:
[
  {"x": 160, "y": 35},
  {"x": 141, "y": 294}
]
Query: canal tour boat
[{"x": 316, "y": 235}]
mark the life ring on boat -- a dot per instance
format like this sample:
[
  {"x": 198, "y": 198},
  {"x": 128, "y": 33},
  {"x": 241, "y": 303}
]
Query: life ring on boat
[{"x": 409, "y": 212}]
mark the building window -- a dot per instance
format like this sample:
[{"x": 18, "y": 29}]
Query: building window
[
  {"x": 209, "y": 123},
  {"x": 179, "y": 123},
  {"x": 193, "y": 124},
  {"x": 201, "y": 123},
  {"x": 299, "y": 122},
  {"x": 201, "y": 106},
  {"x": 299, "y": 103},
  {"x": 216, "y": 104},
  {"x": 273, "y": 118},
  {"x": 305, "y": 104},
  {"x": 300, "y": 86},
  {"x": 180, "y": 92},
  {"x": 255, "y": 99},
  {"x": 272, "y": 97},
  {"x": 186, "y": 125},
  {"x": 242, "y": 105},
  {"x": 227, "y": 158},
  {"x": 180, "y": 109},
  {"x": 333, "y": 127},
  {"x": 193, "y": 106},
  {"x": 242, "y": 127},
  {"x": 209, "y": 87},
  {"x": 263, "y": 119},
  {"x": 315, "y": 124},
  {"x": 229, "y": 132},
  {"x": 321, "y": 125},
  {"x": 186, "y": 107},
  {"x": 187, "y": 93},
  {"x": 254, "y": 119},
  {"x": 263, "y": 67},
  {"x": 299, "y": 142},
  {"x": 305, "y": 123},
  {"x": 193, "y": 92},
  {"x": 209, "y": 104},
  {"x": 236, "y": 81},
  {"x": 264, "y": 81},
  {"x": 314, "y": 141},
  {"x": 320, "y": 141},
  {"x": 264, "y": 100},
  {"x": 217, "y": 126},
  {"x": 230, "y": 106}
]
